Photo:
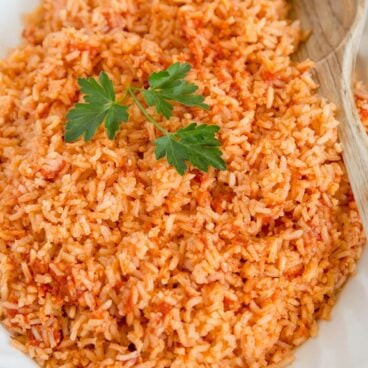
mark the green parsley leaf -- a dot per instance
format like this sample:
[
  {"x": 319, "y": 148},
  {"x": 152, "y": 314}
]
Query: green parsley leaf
[
  {"x": 100, "y": 105},
  {"x": 162, "y": 106},
  {"x": 196, "y": 144},
  {"x": 114, "y": 117},
  {"x": 173, "y": 73},
  {"x": 169, "y": 85},
  {"x": 176, "y": 153}
]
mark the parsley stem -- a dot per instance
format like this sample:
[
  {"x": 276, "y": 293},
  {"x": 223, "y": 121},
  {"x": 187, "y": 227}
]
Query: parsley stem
[
  {"x": 123, "y": 98},
  {"x": 145, "y": 113}
]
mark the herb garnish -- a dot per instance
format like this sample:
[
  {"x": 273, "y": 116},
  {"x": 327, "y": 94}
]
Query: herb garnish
[
  {"x": 85, "y": 118},
  {"x": 195, "y": 143}
]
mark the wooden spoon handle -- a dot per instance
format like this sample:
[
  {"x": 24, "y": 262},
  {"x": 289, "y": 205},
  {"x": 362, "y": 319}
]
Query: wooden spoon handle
[
  {"x": 354, "y": 143},
  {"x": 335, "y": 77}
]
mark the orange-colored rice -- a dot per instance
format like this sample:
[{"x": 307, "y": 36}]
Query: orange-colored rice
[{"x": 109, "y": 258}]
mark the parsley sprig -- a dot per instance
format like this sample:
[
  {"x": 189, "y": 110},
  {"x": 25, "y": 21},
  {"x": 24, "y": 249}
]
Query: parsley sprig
[{"x": 195, "y": 143}]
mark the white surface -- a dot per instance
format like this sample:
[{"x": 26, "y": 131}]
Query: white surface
[
  {"x": 11, "y": 12},
  {"x": 342, "y": 343}
]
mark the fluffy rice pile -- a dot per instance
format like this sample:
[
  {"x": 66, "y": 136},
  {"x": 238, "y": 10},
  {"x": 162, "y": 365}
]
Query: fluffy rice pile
[{"x": 109, "y": 258}]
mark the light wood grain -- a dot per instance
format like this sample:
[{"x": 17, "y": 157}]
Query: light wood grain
[{"x": 337, "y": 27}]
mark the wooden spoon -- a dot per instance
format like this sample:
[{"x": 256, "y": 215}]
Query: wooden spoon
[{"x": 337, "y": 27}]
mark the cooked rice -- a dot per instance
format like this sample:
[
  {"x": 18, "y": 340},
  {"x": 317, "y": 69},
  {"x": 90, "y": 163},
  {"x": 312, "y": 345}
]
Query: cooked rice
[{"x": 109, "y": 258}]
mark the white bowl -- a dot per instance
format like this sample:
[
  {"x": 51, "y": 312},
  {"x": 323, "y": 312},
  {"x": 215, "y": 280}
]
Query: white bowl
[{"x": 341, "y": 343}]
